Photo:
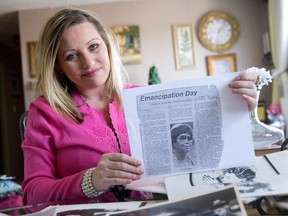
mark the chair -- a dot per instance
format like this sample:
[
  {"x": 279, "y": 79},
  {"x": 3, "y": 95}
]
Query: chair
[
  {"x": 23, "y": 121},
  {"x": 284, "y": 145}
]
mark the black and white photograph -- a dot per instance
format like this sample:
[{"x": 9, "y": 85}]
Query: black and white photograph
[
  {"x": 267, "y": 177},
  {"x": 243, "y": 177},
  {"x": 225, "y": 201},
  {"x": 183, "y": 145}
]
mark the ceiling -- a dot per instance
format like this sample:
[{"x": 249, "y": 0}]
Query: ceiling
[{"x": 9, "y": 30}]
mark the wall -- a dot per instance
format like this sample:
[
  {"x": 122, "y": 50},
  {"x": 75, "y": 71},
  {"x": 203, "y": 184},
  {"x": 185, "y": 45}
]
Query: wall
[{"x": 155, "y": 18}]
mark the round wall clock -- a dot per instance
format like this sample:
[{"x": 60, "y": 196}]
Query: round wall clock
[{"x": 218, "y": 31}]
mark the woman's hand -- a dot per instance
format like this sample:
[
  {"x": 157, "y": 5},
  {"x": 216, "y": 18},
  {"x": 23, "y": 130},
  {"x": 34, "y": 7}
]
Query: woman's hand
[
  {"x": 244, "y": 85},
  {"x": 116, "y": 169}
]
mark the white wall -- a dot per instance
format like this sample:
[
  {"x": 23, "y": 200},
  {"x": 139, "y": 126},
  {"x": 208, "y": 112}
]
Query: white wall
[{"x": 155, "y": 18}]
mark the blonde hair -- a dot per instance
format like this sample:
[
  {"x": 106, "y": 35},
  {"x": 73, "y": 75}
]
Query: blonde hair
[{"x": 51, "y": 83}]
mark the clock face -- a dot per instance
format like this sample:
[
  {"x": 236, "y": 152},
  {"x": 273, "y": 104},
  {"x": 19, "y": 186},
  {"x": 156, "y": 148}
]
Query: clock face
[{"x": 218, "y": 31}]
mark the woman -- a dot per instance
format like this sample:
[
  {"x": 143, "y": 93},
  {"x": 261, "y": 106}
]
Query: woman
[{"x": 76, "y": 143}]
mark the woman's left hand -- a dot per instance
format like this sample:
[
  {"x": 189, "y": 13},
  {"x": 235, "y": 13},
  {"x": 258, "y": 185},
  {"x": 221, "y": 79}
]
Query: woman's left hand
[{"x": 244, "y": 85}]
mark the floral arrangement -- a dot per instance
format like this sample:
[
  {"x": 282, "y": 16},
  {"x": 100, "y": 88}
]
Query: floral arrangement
[{"x": 263, "y": 74}]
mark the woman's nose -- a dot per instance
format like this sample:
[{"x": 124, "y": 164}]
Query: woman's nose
[{"x": 87, "y": 61}]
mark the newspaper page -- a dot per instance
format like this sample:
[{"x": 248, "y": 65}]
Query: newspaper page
[
  {"x": 188, "y": 125},
  {"x": 268, "y": 177}
]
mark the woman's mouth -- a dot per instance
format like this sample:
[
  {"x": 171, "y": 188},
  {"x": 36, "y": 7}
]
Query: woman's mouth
[{"x": 91, "y": 73}]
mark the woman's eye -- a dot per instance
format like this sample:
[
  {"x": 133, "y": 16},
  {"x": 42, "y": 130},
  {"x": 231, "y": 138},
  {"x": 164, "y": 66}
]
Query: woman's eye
[
  {"x": 71, "y": 57},
  {"x": 93, "y": 47}
]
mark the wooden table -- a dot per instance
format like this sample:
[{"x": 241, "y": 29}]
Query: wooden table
[
  {"x": 272, "y": 149},
  {"x": 266, "y": 151}
]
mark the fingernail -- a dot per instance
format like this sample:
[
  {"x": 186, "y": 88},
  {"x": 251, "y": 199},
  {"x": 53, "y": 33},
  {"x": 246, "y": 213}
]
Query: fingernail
[{"x": 141, "y": 170}]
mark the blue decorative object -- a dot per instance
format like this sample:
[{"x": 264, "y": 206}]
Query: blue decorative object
[{"x": 8, "y": 187}]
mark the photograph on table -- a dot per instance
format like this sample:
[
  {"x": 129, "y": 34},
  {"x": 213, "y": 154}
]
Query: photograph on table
[{"x": 224, "y": 201}]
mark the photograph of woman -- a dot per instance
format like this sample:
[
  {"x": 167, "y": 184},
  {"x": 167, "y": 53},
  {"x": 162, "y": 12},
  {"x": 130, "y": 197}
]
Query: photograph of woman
[{"x": 183, "y": 144}]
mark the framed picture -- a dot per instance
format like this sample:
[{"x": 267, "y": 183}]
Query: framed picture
[
  {"x": 183, "y": 39},
  {"x": 128, "y": 38},
  {"x": 31, "y": 52},
  {"x": 218, "y": 64}
]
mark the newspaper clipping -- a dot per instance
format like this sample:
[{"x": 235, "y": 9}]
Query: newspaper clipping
[
  {"x": 174, "y": 124},
  {"x": 180, "y": 125}
]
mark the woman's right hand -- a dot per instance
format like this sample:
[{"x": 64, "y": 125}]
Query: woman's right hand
[
  {"x": 116, "y": 169},
  {"x": 244, "y": 85}
]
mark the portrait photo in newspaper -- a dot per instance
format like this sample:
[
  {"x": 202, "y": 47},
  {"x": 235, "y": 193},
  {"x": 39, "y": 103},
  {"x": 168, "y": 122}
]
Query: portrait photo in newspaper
[{"x": 183, "y": 144}]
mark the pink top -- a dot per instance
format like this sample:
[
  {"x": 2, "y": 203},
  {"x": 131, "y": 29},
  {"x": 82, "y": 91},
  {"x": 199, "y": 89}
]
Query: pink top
[{"x": 57, "y": 152}]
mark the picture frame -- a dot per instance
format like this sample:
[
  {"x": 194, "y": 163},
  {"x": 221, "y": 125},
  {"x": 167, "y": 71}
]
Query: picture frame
[
  {"x": 184, "y": 48},
  {"x": 218, "y": 64},
  {"x": 31, "y": 54},
  {"x": 128, "y": 38}
]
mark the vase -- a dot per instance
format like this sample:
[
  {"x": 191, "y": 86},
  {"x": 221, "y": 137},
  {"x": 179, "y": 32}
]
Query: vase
[{"x": 264, "y": 135}]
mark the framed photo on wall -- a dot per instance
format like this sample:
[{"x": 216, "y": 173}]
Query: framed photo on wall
[
  {"x": 218, "y": 64},
  {"x": 31, "y": 54},
  {"x": 128, "y": 37},
  {"x": 183, "y": 40}
]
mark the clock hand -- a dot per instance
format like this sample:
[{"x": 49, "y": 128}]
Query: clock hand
[{"x": 218, "y": 32}]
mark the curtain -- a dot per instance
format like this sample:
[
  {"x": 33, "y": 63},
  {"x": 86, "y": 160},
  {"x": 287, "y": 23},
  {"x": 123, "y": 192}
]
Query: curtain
[{"x": 278, "y": 25}]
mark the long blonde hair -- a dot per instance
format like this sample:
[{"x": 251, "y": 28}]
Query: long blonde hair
[{"x": 52, "y": 84}]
